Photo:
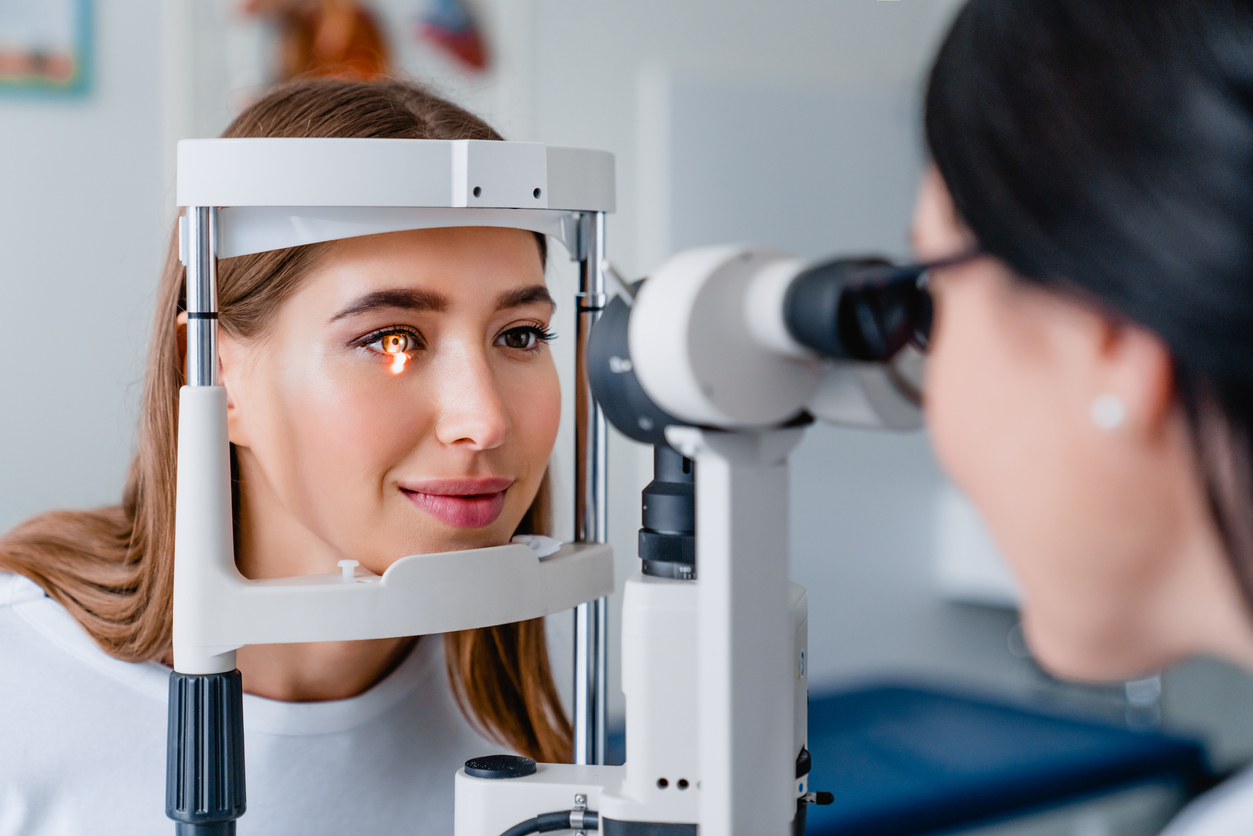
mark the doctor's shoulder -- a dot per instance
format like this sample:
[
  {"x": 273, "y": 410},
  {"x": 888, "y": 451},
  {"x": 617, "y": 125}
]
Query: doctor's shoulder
[{"x": 1226, "y": 810}]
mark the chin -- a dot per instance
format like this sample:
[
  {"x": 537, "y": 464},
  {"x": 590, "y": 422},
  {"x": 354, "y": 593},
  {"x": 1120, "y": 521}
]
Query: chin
[
  {"x": 379, "y": 560},
  {"x": 1092, "y": 650},
  {"x": 450, "y": 538}
]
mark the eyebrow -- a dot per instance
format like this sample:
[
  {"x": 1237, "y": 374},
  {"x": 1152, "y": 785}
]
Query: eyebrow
[
  {"x": 412, "y": 299},
  {"x": 404, "y": 298},
  {"x": 536, "y": 293}
]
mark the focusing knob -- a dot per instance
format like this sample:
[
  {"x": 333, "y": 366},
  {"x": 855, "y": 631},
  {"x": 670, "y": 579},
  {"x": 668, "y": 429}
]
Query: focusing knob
[{"x": 500, "y": 766}]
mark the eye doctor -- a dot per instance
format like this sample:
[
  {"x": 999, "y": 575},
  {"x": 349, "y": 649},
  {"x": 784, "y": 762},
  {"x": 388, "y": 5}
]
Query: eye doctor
[{"x": 1090, "y": 386}]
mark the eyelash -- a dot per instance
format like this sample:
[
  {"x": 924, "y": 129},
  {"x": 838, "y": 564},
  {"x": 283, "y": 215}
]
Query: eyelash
[
  {"x": 376, "y": 336},
  {"x": 542, "y": 334}
]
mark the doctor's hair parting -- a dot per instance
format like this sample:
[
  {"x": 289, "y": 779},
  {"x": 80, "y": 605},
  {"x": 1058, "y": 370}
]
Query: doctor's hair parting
[
  {"x": 113, "y": 568},
  {"x": 1115, "y": 164}
]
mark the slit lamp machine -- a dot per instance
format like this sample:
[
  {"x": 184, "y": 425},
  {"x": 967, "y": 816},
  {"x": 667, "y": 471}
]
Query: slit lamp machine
[{"x": 719, "y": 360}]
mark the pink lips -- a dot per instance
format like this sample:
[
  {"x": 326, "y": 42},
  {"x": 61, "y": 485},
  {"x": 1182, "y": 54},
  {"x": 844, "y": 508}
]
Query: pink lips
[{"x": 464, "y": 503}]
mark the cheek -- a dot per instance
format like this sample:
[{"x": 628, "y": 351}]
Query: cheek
[
  {"x": 997, "y": 427},
  {"x": 1009, "y": 427},
  {"x": 344, "y": 428},
  {"x": 999, "y": 408},
  {"x": 968, "y": 390},
  {"x": 375, "y": 419},
  {"x": 533, "y": 401}
]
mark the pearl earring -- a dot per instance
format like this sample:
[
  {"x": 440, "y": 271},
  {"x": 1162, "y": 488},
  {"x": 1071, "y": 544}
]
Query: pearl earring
[{"x": 1108, "y": 411}]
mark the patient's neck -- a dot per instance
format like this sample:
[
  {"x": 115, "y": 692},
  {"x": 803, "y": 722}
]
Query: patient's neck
[
  {"x": 272, "y": 544},
  {"x": 317, "y": 671}
]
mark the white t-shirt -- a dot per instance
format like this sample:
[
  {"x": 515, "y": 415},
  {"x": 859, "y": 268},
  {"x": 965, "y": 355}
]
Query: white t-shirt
[
  {"x": 1226, "y": 810},
  {"x": 82, "y": 741}
]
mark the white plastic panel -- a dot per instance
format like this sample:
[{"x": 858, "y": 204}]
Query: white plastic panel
[
  {"x": 393, "y": 172},
  {"x": 692, "y": 346},
  {"x": 500, "y": 174},
  {"x": 417, "y": 595},
  {"x": 745, "y": 632},
  {"x": 577, "y": 178},
  {"x": 254, "y": 229}
]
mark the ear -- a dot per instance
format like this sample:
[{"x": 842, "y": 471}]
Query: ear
[
  {"x": 230, "y": 377},
  {"x": 227, "y": 358},
  {"x": 1135, "y": 364}
]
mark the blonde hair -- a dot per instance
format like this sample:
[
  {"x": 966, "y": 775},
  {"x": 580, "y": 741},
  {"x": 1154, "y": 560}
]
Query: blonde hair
[{"x": 112, "y": 568}]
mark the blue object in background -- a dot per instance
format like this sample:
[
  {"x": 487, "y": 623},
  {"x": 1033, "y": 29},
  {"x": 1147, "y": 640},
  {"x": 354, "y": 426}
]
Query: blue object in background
[
  {"x": 451, "y": 25},
  {"x": 907, "y": 760},
  {"x": 904, "y": 761}
]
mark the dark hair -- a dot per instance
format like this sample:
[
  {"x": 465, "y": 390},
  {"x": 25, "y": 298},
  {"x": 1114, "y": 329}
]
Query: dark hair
[{"x": 1107, "y": 148}]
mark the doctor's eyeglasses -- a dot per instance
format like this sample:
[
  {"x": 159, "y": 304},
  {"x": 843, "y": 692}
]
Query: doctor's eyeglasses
[{"x": 883, "y": 307}]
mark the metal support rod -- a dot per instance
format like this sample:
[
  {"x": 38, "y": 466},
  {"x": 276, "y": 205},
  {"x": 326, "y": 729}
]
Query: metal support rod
[
  {"x": 202, "y": 296},
  {"x": 591, "y": 507},
  {"x": 205, "y": 789}
]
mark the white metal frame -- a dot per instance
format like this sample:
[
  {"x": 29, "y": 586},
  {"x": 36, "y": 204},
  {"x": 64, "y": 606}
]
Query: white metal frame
[{"x": 252, "y": 195}]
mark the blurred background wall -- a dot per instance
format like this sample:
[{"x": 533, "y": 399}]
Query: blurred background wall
[{"x": 790, "y": 124}]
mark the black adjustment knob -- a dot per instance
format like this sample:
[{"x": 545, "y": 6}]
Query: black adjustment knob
[
  {"x": 500, "y": 766},
  {"x": 668, "y": 538},
  {"x": 204, "y": 779}
]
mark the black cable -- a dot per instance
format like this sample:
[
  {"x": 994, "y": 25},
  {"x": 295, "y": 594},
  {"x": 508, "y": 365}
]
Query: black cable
[{"x": 547, "y": 822}]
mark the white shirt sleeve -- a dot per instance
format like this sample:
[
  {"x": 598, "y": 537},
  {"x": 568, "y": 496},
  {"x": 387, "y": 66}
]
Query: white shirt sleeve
[{"x": 1226, "y": 810}]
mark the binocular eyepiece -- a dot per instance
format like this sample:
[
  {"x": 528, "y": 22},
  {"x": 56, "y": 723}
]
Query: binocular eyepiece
[{"x": 864, "y": 309}]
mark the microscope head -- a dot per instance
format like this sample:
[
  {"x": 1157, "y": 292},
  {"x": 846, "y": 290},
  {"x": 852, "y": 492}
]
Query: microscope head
[{"x": 741, "y": 338}]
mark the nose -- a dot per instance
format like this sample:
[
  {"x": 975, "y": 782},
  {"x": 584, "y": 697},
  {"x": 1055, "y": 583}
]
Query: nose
[{"x": 471, "y": 410}]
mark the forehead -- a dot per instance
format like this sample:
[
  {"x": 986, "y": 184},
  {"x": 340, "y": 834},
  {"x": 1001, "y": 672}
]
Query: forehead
[{"x": 464, "y": 264}]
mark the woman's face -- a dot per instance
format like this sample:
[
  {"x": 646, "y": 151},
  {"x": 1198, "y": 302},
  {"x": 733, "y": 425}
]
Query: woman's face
[
  {"x": 403, "y": 400},
  {"x": 1098, "y": 524}
]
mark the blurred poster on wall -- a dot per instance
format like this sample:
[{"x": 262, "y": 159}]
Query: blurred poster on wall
[
  {"x": 328, "y": 38},
  {"x": 45, "y": 45},
  {"x": 452, "y": 27}
]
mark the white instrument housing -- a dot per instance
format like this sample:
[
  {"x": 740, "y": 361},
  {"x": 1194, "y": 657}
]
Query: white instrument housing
[
  {"x": 709, "y": 345},
  {"x": 661, "y": 680}
]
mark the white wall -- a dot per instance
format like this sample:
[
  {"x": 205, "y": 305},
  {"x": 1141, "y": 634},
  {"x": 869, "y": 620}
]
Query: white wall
[{"x": 82, "y": 234}]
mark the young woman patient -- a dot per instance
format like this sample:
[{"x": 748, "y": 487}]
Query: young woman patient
[{"x": 387, "y": 395}]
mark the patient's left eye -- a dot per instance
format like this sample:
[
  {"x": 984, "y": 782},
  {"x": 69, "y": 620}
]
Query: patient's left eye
[
  {"x": 395, "y": 343},
  {"x": 524, "y": 337},
  {"x": 392, "y": 342}
]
